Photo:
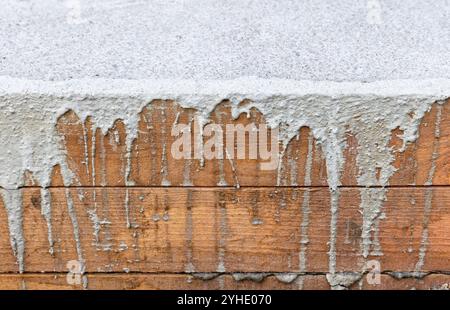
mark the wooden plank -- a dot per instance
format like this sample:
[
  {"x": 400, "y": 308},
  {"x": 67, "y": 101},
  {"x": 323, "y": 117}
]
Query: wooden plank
[
  {"x": 229, "y": 230},
  {"x": 58, "y": 281},
  {"x": 99, "y": 160}
]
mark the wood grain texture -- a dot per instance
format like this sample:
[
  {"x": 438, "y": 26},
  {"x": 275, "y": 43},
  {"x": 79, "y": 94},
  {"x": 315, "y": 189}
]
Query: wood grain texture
[
  {"x": 277, "y": 221},
  {"x": 99, "y": 160},
  {"x": 154, "y": 282},
  {"x": 191, "y": 282},
  {"x": 245, "y": 230}
]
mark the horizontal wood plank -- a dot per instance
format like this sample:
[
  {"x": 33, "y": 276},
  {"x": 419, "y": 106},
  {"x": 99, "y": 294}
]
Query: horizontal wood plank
[
  {"x": 228, "y": 230},
  {"x": 100, "y": 160},
  {"x": 192, "y": 282},
  {"x": 179, "y": 217}
]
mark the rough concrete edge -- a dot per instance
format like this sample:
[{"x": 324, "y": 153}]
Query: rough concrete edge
[{"x": 245, "y": 85}]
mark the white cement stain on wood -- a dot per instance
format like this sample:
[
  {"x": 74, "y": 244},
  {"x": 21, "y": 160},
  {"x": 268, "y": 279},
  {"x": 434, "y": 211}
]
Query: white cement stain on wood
[
  {"x": 12, "y": 200},
  {"x": 304, "y": 229},
  {"x": 29, "y": 111},
  {"x": 429, "y": 194}
]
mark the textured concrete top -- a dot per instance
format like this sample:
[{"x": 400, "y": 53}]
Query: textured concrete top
[{"x": 348, "y": 40}]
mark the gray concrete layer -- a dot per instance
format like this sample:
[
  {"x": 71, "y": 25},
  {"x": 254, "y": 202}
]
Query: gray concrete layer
[{"x": 363, "y": 40}]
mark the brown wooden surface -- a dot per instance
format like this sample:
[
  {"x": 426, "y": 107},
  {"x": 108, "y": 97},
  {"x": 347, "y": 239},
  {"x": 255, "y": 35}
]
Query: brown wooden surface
[
  {"x": 171, "y": 232},
  {"x": 174, "y": 228},
  {"x": 107, "y": 158},
  {"x": 192, "y": 282}
]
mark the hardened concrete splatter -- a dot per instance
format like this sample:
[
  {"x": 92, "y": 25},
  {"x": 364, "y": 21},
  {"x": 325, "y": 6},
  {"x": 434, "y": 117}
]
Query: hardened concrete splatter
[{"x": 29, "y": 111}]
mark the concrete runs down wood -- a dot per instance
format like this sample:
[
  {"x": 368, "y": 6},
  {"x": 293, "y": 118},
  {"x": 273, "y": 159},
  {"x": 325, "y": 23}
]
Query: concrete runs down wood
[{"x": 359, "y": 197}]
